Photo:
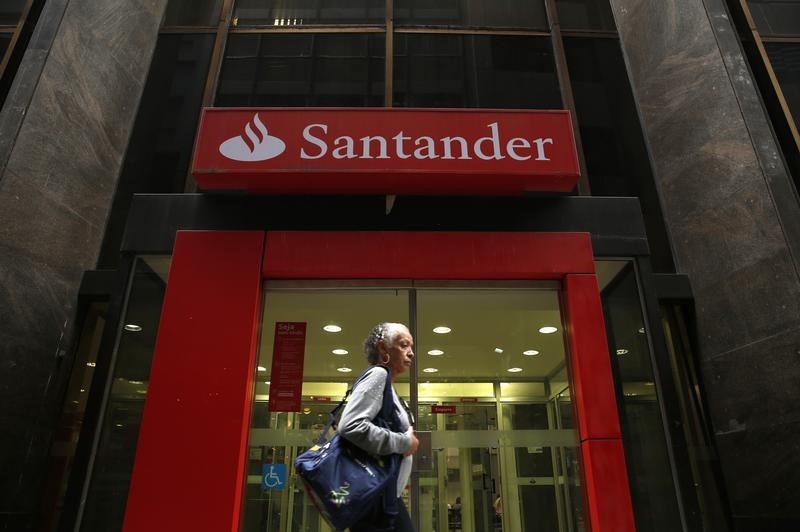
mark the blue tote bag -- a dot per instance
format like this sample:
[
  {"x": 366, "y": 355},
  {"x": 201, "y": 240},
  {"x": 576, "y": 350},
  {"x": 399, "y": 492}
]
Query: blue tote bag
[{"x": 344, "y": 481}]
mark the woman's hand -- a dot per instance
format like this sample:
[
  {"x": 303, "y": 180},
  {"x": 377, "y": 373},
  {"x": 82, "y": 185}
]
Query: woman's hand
[{"x": 414, "y": 442}]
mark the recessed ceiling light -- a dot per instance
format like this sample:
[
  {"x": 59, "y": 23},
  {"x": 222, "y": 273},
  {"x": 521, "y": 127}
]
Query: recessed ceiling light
[
  {"x": 118, "y": 425},
  {"x": 91, "y": 364},
  {"x": 641, "y": 330},
  {"x": 132, "y": 327},
  {"x": 430, "y": 370},
  {"x": 498, "y": 350},
  {"x": 548, "y": 330},
  {"x": 622, "y": 351},
  {"x": 339, "y": 351},
  {"x": 82, "y": 390},
  {"x": 442, "y": 329},
  {"x": 435, "y": 352},
  {"x": 344, "y": 370},
  {"x": 266, "y": 382},
  {"x": 262, "y": 368},
  {"x": 332, "y": 328},
  {"x": 530, "y": 353},
  {"x": 514, "y": 370}
]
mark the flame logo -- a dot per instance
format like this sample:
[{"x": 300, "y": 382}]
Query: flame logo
[{"x": 255, "y": 147}]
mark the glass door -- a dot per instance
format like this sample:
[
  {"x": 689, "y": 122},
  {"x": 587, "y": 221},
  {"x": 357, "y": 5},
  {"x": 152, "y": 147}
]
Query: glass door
[{"x": 489, "y": 384}]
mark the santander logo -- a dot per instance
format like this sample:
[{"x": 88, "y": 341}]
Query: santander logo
[{"x": 259, "y": 146}]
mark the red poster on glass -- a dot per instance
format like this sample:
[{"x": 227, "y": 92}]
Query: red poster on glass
[
  {"x": 443, "y": 409},
  {"x": 286, "y": 379}
]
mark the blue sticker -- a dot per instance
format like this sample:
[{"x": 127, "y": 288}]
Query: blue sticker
[{"x": 273, "y": 476}]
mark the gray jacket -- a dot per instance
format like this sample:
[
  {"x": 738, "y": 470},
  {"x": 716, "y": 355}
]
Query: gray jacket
[
  {"x": 363, "y": 405},
  {"x": 356, "y": 424}
]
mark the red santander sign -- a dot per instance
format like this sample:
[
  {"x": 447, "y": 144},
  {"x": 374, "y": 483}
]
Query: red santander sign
[{"x": 385, "y": 151}]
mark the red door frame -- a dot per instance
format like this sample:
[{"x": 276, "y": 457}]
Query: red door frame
[{"x": 192, "y": 450}]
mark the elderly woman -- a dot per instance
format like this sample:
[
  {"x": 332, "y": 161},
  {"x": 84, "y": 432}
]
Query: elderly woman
[{"x": 389, "y": 345}]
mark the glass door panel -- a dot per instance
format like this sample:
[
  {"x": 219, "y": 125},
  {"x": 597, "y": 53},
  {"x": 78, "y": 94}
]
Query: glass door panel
[
  {"x": 493, "y": 391},
  {"x": 489, "y": 384},
  {"x": 334, "y": 356}
]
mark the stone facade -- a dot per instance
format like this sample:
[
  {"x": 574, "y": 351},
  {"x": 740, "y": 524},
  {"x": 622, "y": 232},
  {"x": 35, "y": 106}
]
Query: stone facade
[
  {"x": 733, "y": 218},
  {"x": 63, "y": 135}
]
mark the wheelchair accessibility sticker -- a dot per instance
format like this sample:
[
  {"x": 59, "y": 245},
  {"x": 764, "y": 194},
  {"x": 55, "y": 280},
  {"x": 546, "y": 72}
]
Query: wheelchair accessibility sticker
[{"x": 273, "y": 476}]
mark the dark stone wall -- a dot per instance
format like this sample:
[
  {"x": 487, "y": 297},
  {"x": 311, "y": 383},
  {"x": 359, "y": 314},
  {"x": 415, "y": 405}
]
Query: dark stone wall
[
  {"x": 733, "y": 217},
  {"x": 63, "y": 134}
]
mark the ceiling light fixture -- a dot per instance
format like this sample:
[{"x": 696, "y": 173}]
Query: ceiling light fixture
[
  {"x": 622, "y": 351},
  {"x": 132, "y": 327},
  {"x": 514, "y": 370},
  {"x": 340, "y": 351},
  {"x": 91, "y": 364},
  {"x": 435, "y": 352},
  {"x": 641, "y": 330},
  {"x": 548, "y": 330},
  {"x": 442, "y": 329},
  {"x": 332, "y": 328},
  {"x": 498, "y": 350},
  {"x": 530, "y": 353},
  {"x": 262, "y": 368},
  {"x": 344, "y": 370},
  {"x": 430, "y": 370}
]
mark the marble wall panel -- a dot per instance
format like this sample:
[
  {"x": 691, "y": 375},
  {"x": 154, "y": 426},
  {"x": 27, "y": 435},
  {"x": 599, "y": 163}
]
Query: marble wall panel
[
  {"x": 55, "y": 194},
  {"x": 733, "y": 221},
  {"x": 762, "y": 471},
  {"x": 742, "y": 403}
]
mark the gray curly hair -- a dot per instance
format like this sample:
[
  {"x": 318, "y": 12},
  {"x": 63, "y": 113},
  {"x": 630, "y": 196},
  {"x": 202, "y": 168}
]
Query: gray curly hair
[{"x": 383, "y": 332}]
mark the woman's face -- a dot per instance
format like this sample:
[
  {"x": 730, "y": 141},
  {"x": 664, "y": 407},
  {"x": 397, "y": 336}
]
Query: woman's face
[{"x": 401, "y": 352}]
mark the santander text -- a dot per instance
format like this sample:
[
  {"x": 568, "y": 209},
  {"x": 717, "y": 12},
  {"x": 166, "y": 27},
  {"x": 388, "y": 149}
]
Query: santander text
[{"x": 402, "y": 146}]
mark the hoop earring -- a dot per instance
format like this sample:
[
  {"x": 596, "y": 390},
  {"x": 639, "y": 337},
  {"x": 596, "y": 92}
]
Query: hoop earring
[{"x": 388, "y": 358}]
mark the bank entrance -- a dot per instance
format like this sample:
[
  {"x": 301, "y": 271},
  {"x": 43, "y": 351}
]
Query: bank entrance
[{"x": 511, "y": 385}]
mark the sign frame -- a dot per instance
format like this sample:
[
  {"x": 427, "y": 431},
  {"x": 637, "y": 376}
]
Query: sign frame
[{"x": 385, "y": 151}]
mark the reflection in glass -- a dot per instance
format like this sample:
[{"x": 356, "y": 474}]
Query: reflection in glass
[
  {"x": 488, "y": 71},
  {"x": 308, "y": 12},
  {"x": 192, "y": 13},
  {"x": 649, "y": 470},
  {"x": 585, "y": 15},
  {"x": 326, "y": 69},
  {"x": 108, "y": 488},
  {"x": 5, "y": 40},
  {"x": 785, "y": 60},
  {"x": 72, "y": 415},
  {"x": 11, "y": 11},
  {"x": 776, "y": 17},
  {"x": 528, "y": 14}
]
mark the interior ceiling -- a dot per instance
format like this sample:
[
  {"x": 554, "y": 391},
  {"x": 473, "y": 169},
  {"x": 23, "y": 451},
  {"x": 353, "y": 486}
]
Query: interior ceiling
[{"x": 481, "y": 320}]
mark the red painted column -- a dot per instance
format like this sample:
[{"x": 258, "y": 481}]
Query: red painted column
[
  {"x": 191, "y": 456},
  {"x": 604, "y": 473}
]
